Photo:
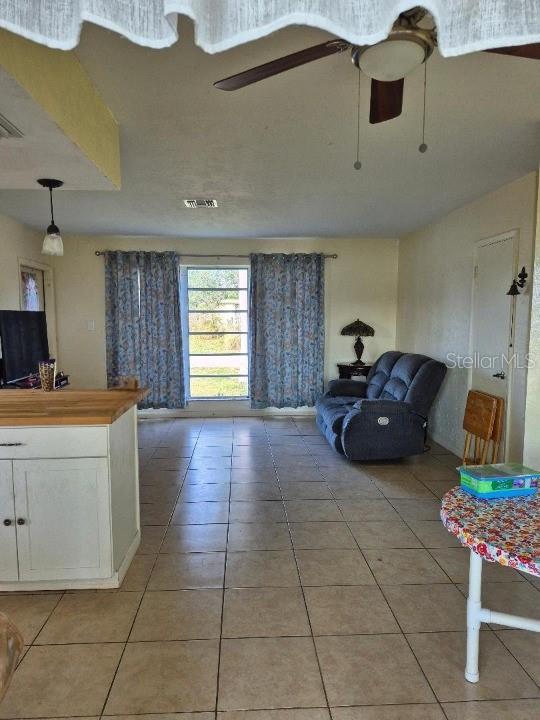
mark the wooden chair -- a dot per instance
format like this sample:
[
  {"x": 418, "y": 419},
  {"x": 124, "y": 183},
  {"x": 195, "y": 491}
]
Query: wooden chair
[
  {"x": 11, "y": 645},
  {"x": 478, "y": 423},
  {"x": 498, "y": 426},
  {"x": 128, "y": 382}
]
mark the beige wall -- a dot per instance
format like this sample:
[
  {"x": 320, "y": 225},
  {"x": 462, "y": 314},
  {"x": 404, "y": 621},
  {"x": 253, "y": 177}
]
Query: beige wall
[
  {"x": 20, "y": 243},
  {"x": 16, "y": 241},
  {"x": 435, "y": 294},
  {"x": 361, "y": 282},
  {"x": 531, "y": 452}
]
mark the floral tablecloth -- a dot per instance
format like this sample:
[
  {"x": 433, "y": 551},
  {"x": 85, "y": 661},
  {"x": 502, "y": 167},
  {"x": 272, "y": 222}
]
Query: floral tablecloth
[{"x": 502, "y": 531}]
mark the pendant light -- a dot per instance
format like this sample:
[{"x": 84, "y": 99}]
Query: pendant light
[{"x": 52, "y": 242}]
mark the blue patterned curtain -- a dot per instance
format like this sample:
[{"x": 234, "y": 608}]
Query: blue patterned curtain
[
  {"x": 143, "y": 329},
  {"x": 286, "y": 330},
  {"x": 122, "y": 315}
]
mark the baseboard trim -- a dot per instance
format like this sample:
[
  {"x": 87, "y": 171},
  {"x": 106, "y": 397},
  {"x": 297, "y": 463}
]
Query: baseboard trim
[
  {"x": 92, "y": 584},
  {"x": 126, "y": 562},
  {"x": 226, "y": 413}
]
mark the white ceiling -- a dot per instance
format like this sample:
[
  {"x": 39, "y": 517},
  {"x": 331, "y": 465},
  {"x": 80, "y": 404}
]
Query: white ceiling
[{"x": 278, "y": 155}]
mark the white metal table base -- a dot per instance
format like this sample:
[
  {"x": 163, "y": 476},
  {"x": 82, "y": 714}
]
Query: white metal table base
[{"x": 476, "y": 615}]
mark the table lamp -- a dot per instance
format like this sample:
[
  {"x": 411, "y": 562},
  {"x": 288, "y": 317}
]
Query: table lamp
[{"x": 358, "y": 329}]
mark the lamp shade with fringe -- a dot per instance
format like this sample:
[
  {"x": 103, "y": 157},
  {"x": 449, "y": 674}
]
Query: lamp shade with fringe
[{"x": 358, "y": 329}]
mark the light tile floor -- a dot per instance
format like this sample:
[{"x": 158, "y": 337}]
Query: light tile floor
[{"x": 277, "y": 581}]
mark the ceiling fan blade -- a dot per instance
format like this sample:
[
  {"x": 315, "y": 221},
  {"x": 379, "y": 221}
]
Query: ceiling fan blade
[
  {"x": 386, "y": 100},
  {"x": 523, "y": 51},
  {"x": 274, "y": 67}
]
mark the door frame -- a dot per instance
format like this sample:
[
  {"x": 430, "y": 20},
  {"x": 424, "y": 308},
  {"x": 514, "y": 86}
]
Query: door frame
[
  {"x": 49, "y": 295},
  {"x": 512, "y": 235}
]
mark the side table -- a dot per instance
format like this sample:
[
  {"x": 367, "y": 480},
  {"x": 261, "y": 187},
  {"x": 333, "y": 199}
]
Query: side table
[
  {"x": 349, "y": 370},
  {"x": 502, "y": 531}
]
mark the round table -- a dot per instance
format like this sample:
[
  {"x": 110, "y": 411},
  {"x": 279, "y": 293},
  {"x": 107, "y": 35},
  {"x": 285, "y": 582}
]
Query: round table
[{"x": 502, "y": 531}]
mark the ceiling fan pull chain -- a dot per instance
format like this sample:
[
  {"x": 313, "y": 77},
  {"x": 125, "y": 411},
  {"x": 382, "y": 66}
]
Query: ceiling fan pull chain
[
  {"x": 423, "y": 147},
  {"x": 357, "y": 164}
]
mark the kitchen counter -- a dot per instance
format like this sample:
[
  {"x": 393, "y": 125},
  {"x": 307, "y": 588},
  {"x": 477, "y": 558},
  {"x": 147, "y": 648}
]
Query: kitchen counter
[
  {"x": 65, "y": 407},
  {"x": 69, "y": 489}
]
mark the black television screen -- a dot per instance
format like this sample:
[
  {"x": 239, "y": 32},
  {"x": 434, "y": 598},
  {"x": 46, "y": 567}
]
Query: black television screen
[{"x": 23, "y": 337}]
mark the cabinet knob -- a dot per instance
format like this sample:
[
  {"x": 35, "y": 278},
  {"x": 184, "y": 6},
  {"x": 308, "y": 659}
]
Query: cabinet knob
[
  {"x": 21, "y": 521},
  {"x": 7, "y": 522}
]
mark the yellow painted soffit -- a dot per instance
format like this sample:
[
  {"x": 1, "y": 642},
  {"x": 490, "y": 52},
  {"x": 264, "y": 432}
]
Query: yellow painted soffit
[{"x": 57, "y": 81}]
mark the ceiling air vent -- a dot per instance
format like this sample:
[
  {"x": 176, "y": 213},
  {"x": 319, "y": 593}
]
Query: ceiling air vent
[
  {"x": 8, "y": 129},
  {"x": 200, "y": 203}
]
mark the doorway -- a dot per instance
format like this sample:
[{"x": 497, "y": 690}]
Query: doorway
[
  {"x": 492, "y": 326},
  {"x": 36, "y": 292},
  {"x": 32, "y": 285}
]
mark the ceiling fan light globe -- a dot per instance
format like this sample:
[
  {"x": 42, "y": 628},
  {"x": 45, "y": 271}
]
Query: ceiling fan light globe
[
  {"x": 391, "y": 59},
  {"x": 52, "y": 244}
]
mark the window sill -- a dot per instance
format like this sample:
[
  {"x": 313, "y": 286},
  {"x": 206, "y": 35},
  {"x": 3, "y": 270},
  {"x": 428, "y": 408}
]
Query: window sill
[{"x": 217, "y": 399}]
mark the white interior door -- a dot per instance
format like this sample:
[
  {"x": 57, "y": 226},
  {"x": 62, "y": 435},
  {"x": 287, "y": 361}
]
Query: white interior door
[
  {"x": 8, "y": 543},
  {"x": 491, "y": 337},
  {"x": 63, "y": 525}
]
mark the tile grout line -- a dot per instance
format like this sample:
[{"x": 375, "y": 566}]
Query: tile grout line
[
  {"x": 451, "y": 582},
  {"x": 340, "y": 707},
  {"x": 407, "y": 523},
  {"x": 288, "y": 522},
  {"x": 33, "y": 643},
  {"x": 101, "y": 714},
  {"x": 220, "y": 642},
  {"x": 262, "y": 637},
  {"x": 314, "y": 644},
  {"x": 501, "y": 641},
  {"x": 391, "y": 609}
]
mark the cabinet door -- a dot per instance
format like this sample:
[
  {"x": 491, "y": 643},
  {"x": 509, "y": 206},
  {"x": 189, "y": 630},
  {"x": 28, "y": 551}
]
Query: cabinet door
[
  {"x": 8, "y": 543},
  {"x": 63, "y": 519}
]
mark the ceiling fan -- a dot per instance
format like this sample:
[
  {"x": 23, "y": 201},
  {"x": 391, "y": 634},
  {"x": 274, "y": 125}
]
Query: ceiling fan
[{"x": 387, "y": 63}]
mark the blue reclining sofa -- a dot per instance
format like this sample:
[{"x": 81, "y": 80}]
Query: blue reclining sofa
[{"x": 386, "y": 416}]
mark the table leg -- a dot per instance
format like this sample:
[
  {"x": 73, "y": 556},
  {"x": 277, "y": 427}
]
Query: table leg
[{"x": 474, "y": 605}]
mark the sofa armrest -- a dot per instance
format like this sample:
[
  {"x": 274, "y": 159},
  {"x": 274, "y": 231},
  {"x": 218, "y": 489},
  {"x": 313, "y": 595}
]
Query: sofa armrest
[
  {"x": 375, "y": 405},
  {"x": 349, "y": 388}
]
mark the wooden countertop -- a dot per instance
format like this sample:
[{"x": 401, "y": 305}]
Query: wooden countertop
[{"x": 65, "y": 407}]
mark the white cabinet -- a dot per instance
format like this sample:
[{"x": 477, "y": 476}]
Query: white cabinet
[
  {"x": 8, "y": 533},
  {"x": 71, "y": 521},
  {"x": 46, "y": 442},
  {"x": 63, "y": 526}
]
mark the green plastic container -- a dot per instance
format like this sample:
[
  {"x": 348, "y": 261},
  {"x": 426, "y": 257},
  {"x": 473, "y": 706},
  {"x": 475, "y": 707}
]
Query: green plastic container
[{"x": 503, "y": 480}]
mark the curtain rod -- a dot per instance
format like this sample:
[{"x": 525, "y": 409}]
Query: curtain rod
[{"x": 222, "y": 255}]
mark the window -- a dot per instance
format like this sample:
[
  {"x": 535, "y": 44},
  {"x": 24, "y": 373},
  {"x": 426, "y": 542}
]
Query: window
[{"x": 217, "y": 325}]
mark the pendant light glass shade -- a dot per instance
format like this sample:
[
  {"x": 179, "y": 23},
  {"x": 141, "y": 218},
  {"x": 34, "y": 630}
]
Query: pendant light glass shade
[{"x": 52, "y": 242}]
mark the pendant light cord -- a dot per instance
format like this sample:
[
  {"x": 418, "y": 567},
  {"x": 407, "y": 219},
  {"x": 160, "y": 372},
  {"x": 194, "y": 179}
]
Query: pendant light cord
[
  {"x": 424, "y": 113},
  {"x": 423, "y": 147},
  {"x": 52, "y": 208},
  {"x": 358, "y": 164}
]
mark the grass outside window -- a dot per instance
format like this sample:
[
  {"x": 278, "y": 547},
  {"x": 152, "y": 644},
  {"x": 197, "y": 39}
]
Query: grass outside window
[{"x": 217, "y": 320}]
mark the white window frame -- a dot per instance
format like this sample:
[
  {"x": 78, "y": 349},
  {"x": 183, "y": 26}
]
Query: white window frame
[{"x": 184, "y": 312}]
